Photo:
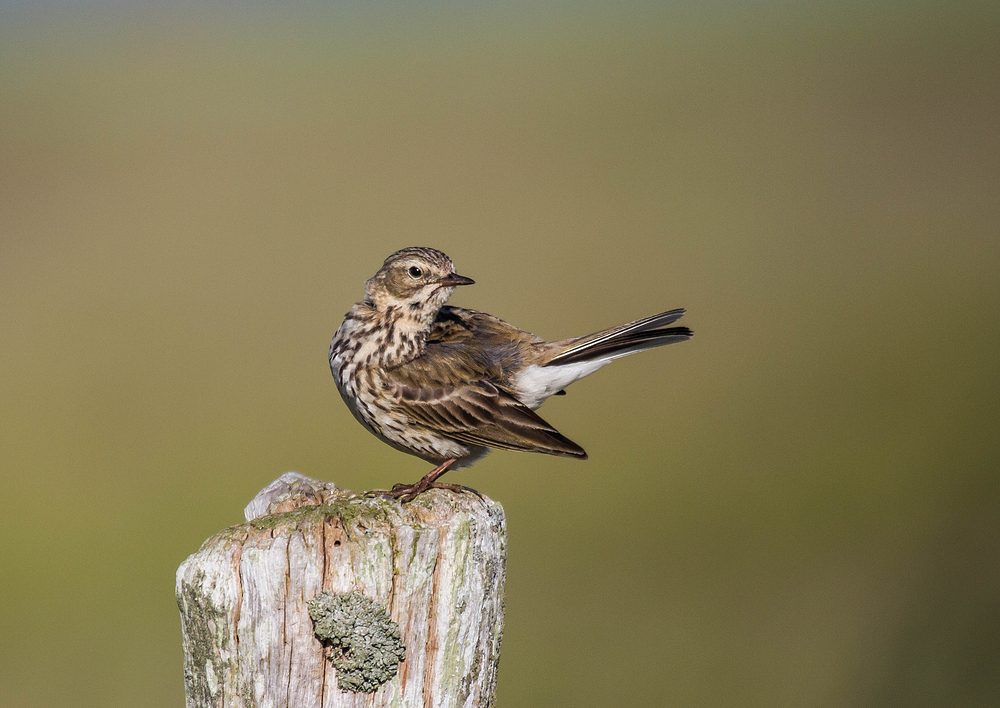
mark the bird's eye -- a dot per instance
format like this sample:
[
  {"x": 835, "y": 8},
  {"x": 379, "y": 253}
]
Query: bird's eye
[{"x": 414, "y": 272}]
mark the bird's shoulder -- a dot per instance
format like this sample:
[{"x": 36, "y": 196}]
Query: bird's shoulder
[
  {"x": 467, "y": 346},
  {"x": 459, "y": 324},
  {"x": 450, "y": 364}
]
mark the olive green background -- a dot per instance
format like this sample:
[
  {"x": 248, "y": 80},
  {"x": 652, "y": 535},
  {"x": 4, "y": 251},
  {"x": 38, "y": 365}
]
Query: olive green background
[{"x": 799, "y": 507}]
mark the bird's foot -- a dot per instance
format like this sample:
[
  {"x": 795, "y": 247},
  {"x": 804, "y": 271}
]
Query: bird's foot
[
  {"x": 455, "y": 488},
  {"x": 408, "y": 492}
]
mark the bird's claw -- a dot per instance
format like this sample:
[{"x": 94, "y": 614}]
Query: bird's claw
[{"x": 408, "y": 492}]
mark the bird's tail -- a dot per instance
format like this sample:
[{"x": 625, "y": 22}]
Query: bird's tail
[{"x": 625, "y": 339}]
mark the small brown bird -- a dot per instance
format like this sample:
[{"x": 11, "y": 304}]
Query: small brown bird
[{"x": 447, "y": 384}]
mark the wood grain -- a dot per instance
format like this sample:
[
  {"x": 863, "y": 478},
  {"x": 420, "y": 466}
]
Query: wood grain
[{"x": 437, "y": 564}]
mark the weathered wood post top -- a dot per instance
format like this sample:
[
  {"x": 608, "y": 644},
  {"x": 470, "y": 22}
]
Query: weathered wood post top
[{"x": 326, "y": 598}]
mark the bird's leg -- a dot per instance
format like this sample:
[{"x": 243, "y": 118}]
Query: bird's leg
[
  {"x": 431, "y": 477},
  {"x": 409, "y": 492}
]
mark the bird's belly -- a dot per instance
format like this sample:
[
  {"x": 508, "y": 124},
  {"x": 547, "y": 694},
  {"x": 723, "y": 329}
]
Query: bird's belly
[{"x": 417, "y": 440}]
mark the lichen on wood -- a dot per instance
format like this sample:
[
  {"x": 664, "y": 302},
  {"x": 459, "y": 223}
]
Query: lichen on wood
[
  {"x": 364, "y": 643},
  {"x": 202, "y": 673}
]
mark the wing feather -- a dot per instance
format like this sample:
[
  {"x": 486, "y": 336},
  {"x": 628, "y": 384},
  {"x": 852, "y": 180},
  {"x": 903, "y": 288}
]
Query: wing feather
[{"x": 480, "y": 413}]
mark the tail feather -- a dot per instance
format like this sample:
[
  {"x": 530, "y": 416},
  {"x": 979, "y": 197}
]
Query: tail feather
[
  {"x": 646, "y": 333},
  {"x": 634, "y": 342}
]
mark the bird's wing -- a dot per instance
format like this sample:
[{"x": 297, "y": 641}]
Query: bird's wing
[
  {"x": 454, "y": 324},
  {"x": 479, "y": 413}
]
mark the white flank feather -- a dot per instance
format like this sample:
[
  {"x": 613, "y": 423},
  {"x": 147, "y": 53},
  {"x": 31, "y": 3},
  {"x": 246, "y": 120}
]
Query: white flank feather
[{"x": 536, "y": 383}]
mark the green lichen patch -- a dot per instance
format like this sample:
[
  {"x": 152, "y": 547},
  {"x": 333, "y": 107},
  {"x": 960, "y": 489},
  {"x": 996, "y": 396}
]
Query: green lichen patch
[
  {"x": 204, "y": 669},
  {"x": 362, "y": 641},
  {"x": 350, "y": 510}
]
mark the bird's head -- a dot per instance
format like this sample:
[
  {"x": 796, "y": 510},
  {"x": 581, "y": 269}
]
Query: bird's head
[{"x": 413, "y": 284}]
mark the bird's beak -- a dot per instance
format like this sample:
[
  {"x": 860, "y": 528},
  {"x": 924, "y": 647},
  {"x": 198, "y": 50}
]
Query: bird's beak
[{"x": 456, "y": 279}]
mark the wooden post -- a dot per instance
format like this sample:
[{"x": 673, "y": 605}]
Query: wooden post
[{"x": 376, "y": 575}]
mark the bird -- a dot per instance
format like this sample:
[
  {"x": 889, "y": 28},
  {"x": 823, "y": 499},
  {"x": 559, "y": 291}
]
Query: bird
[{"x": 448, "y": 384}]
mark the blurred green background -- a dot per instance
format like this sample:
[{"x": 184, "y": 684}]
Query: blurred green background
[{"x": 797, "y": 508}]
